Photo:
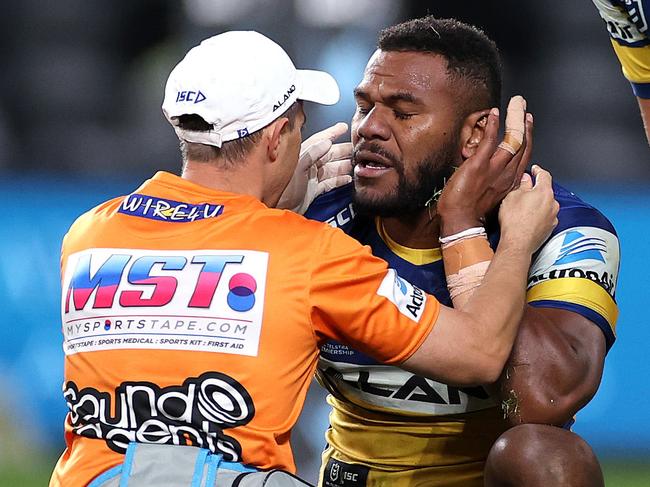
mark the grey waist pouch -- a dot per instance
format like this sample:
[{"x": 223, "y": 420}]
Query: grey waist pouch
[{"x": 148, "y": 465}]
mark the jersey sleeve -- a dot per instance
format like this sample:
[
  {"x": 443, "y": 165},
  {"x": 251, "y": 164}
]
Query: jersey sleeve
[
  {"x": 627, "y": 23},
  {"x": 357, "y": 300},
  {"x": 577, "y": 268}
]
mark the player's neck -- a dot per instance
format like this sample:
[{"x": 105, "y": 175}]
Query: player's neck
[{"x": 417, "y": 231}]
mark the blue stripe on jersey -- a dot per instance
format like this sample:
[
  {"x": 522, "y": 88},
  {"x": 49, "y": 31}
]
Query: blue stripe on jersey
[
  {"x": 583, "y": 311},
  {"x": 642, "y": 90}
]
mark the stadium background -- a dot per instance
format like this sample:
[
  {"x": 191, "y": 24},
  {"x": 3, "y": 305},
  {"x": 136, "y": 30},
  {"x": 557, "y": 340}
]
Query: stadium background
[{"x": 80, "y": 122}]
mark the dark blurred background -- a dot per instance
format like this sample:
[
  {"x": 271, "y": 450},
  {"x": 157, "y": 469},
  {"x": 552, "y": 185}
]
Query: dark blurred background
[{"x": 80, "y": 121}]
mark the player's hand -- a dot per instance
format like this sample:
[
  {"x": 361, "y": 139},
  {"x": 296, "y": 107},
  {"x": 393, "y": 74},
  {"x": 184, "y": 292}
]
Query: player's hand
[
  {"x": 485, "y": 178},
  {"x": 529, "y": 213},
  {"x": 322, "y": 166}
]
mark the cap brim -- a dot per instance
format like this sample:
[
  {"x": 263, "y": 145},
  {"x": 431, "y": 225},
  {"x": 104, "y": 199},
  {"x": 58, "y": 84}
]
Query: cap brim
[{"x": 318, "y": 86}]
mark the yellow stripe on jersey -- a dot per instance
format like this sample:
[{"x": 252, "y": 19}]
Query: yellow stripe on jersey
[
  {"x": 577, "y": 290},
  {"x": 635, "y": 62},
  {"x": 414, "y": 256}
]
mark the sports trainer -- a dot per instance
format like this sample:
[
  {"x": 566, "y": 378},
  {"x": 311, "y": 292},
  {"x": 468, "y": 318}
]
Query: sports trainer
[
  {"x": 193, "y": 311},
  {"x": 627, "y": 23},
  {"x": 420, "y": 113}
]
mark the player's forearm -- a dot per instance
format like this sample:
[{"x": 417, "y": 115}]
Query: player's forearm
[
  {"x": 495, "y": 308},
  {"x": 554, "y": 369}
]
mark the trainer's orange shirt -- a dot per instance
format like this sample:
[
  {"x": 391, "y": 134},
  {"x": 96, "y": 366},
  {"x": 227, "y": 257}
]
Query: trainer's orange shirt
[{"x": 192, "y": 316}]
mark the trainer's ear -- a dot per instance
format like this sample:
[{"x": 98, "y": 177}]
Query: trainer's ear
[
  {"x": 472, "y": 132},
  {"x": 274, "y": 132}
]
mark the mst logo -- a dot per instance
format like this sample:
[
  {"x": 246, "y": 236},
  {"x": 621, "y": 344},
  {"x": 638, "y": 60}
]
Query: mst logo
[
  {"x": 104, "y": 283},
  {"x": 195, "y": 413},
  {"x": 200, "y": 300}
]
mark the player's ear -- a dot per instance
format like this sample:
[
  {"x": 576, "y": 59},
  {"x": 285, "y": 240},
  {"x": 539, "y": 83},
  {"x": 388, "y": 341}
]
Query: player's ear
[{"x": 472, "y": 132}]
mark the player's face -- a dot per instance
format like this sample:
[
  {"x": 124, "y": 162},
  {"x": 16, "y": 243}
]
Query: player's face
[{"x": 405, "y": 132}]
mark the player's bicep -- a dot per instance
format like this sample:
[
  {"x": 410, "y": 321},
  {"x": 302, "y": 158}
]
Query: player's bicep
[
  {"x": 551, "y": 332},
  {"x": 555, "y": 367}
]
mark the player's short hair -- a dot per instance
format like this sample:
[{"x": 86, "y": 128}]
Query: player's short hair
[
  {"x": 230, "y": 152},
  {"x": 472, "y": 57}
]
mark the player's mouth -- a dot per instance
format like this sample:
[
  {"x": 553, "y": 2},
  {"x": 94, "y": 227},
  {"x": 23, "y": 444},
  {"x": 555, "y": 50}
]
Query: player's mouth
[{"x": 370, "y": 164}]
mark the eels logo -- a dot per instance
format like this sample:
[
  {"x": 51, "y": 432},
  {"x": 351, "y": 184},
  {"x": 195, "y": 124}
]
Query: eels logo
[
  {"x": 577, "y": 246},
  {"x": 242, "y": 288}
]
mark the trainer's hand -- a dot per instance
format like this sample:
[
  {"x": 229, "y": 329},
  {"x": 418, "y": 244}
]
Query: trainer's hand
[
  {"x": 485, "y": 178},
  {"x": 322, "y": 166},
  {"x": 529, "y": 213}
]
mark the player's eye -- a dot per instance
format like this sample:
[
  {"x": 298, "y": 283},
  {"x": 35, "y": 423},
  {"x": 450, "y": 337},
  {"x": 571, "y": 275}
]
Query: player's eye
[
  {"x": 363, "y": 109},
  {"x": 401, "y": 115}
]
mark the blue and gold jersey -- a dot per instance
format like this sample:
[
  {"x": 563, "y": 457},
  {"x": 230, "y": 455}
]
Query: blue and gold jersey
[
  {"x": 627, "y": 22},
  {"x": 576, "y": 269}
]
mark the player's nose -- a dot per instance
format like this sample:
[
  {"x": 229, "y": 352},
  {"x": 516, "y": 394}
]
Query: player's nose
[{"x": 372, "y": 126}]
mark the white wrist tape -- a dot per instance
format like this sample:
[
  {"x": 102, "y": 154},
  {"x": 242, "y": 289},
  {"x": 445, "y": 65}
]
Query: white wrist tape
[{"x": 470, "y": 232}]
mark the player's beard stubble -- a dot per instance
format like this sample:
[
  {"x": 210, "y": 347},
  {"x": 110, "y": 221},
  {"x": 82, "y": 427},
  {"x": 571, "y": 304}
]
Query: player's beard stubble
[{"x": 412, "y": 192}]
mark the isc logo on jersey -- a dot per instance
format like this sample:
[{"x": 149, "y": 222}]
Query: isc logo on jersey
[
  {"x": 187, "y": 300},
  {"x": 409, "y": 299},
  {"x": 582, "y": 252}
]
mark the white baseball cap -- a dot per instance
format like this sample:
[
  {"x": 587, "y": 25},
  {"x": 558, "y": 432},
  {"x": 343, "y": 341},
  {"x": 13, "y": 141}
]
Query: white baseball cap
[{"x": 239, "y": 82}]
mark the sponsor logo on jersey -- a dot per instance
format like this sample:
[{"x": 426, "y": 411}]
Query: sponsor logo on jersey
[
  {"x": 605, "y": 280},
  {"x": 195, "y": 413},
  {"x": 342, "y": 218},
  {"x": 410, "y": 300},
  {"x": 167, "y": 210},
  {"x": 583, "y": 252},
  {"x": 200, "y": 300},
  {"x": 626, "y": 20},
  {"x": 394, "y": 389},
  {"x": 341, "y": 474}
]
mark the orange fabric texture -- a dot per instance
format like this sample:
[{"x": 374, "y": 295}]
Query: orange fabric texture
[{"x": 192, "y": 316}]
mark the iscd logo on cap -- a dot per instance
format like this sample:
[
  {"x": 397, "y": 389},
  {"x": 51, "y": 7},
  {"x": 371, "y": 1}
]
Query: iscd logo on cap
[
  {"x": 242, "y": 288},
  {"x": 190, "y": 96}
]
